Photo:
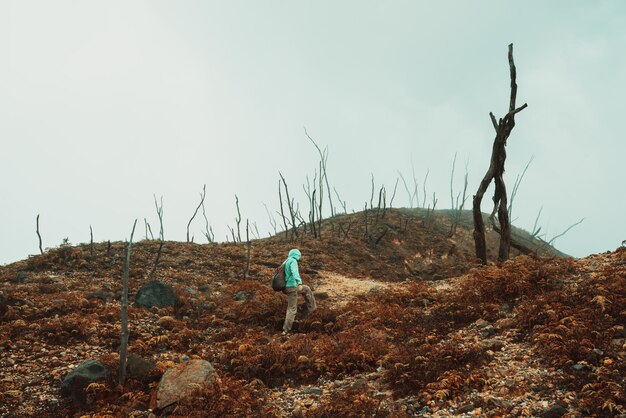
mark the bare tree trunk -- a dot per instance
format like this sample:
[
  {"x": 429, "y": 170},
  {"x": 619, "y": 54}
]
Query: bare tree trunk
[
  {"x": 156, "y": 262},
  {"x": 124, "y": 302},
  {"x": 282, "y": 212},
  {"x": 159, "y": 210},
  {"x": 503, "y": 129},
  {"x": 323, "y": 173},
  {"x": 39, "y": 235},
  {"x": 247, "y": 272},
  {"x": 90, "y": 241},
  {"x": 238, "y": 219},
  {"x": 202, "y": 196}
]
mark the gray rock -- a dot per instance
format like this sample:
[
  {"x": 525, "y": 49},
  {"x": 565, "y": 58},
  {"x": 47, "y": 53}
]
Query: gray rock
[
  {"x": 505, "y": 307},
  {"x": 491, "y": 344},
  {"x": 242, "y": 296},
  {"x": 555, "y": 411},
  {"x": 312, "y": 391},
  {"x": 87, "y": 372},
  {"x": 465, "y": 408},
  {"x": 488, "y": 331},
  {"x": 320, "y": 295},
  {"x": 138, "y": 367},
  {"x": 209, "y": 306},
  {"x": 179, "y": 381},
  {"x": 21, "y": 277},
  {"x": 578, "y": 367},
  {"x": 359, "y": 384},
  {"x": 481, "y": 323},
  {"x": 155, "y": 293},
  {"x": 100, "y": 294}
]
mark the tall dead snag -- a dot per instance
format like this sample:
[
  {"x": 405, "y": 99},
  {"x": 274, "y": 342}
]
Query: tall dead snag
[
  {"x": 202, "y": 196},
  {"x": 323, "y": 175},
  {"x": 246, "y": 274},
  {"x": 124, "y": 302},
  {"x": 503, "y": 129},
  {"x": 159, "y": 210},
  {"x": 156, "y": 262},
  {"x": 39, "y": 235}
]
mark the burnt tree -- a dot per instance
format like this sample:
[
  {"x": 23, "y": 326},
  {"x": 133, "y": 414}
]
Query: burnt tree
[{"x": 495, "y": 172}]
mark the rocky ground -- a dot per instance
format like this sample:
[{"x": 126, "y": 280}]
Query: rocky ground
[{"x": 406, "y": 326}]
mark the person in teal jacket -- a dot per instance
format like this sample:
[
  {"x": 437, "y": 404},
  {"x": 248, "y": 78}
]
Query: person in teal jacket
[{"x": 294, "y": 287}]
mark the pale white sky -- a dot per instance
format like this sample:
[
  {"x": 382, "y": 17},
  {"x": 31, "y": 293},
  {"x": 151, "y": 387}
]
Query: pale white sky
[{"x": 103, "y": 104}]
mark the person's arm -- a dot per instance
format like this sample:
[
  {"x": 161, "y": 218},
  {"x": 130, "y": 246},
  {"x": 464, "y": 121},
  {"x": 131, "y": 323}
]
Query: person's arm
[{"x": 295, "y": 273}]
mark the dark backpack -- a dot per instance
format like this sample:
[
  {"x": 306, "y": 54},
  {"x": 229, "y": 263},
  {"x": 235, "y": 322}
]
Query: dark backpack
[{"x": 278, "y": 278}]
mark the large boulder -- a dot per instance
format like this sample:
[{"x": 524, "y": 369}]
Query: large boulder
[
  {"x": 87, "y": 372},
  {"x": 180, "y": 381},
  {"x": 155, "y": 293}
]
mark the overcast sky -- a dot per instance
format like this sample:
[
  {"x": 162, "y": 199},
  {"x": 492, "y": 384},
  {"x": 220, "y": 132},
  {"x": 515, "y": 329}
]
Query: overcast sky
[{"x": 104, "y": 104}]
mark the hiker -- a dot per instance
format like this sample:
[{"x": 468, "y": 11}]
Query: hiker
[{"x": 293, "y": 287}]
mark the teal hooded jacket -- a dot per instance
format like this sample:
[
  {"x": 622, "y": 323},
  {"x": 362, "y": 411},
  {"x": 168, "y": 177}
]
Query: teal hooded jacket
[{"x": 292, "y": 274}]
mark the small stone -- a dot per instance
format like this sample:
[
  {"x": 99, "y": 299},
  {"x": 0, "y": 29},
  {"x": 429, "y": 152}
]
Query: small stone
[
  {"x": 578, "y": 367},
  {"x": 481, "y": 323},
  {"x": 241, "y": 296},
  {"x": 505, "y": 307},
  {"x": 465, "y": 408},
  {"x": 312, "y": 391},
  {"x": 320, "y": 295},
  {"x": 555, "y": 411},
  {"x": 359, "y": 384}
]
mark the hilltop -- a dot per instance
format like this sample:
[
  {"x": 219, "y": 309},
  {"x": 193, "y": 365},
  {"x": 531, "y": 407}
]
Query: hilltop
[{"x": 409, "y": 324}]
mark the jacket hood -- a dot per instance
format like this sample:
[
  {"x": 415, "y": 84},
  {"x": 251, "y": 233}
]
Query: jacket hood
[{"x": 295, "y": 253}]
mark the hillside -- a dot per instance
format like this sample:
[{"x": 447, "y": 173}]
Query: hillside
[{"x": 408, "y": 324}]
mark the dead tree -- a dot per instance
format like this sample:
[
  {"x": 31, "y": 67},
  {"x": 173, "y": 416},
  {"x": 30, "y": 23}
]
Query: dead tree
[
  {"x": 282, "y": 212},
  {"x": 124, "y": 303},
  {"x": 159, "y": 210},
  {"x": 323, "y": 174},
  {"x": 90, "y": 241},
  {"x": 208, "y": 230},
  {"x": 342, "y": 202},
  {"x": 39, "y": 235},
  {"x": 238, "y": 219},
  {"x": 156, "y": 262},
  {"x": 202, "y": 196},
  {"x": 246, "y": 274},
  {"x": 272, "y": 220},
  {"x": 292, "y": 213},
  {"x": 503, "y": 129},
  {"x": 408, "y": 192},
  {"x": 394, "y": 193}
]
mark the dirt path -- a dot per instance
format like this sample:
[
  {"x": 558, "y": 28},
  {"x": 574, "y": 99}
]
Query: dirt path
[{"x": 342, "y": 289}]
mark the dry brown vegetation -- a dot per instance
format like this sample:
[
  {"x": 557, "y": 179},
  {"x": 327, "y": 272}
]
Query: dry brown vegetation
[{"x": 441, "y": 335}]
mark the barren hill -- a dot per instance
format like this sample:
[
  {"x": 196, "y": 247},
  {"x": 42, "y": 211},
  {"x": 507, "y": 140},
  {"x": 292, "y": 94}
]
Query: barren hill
[{"x": 408, "y": 325}]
